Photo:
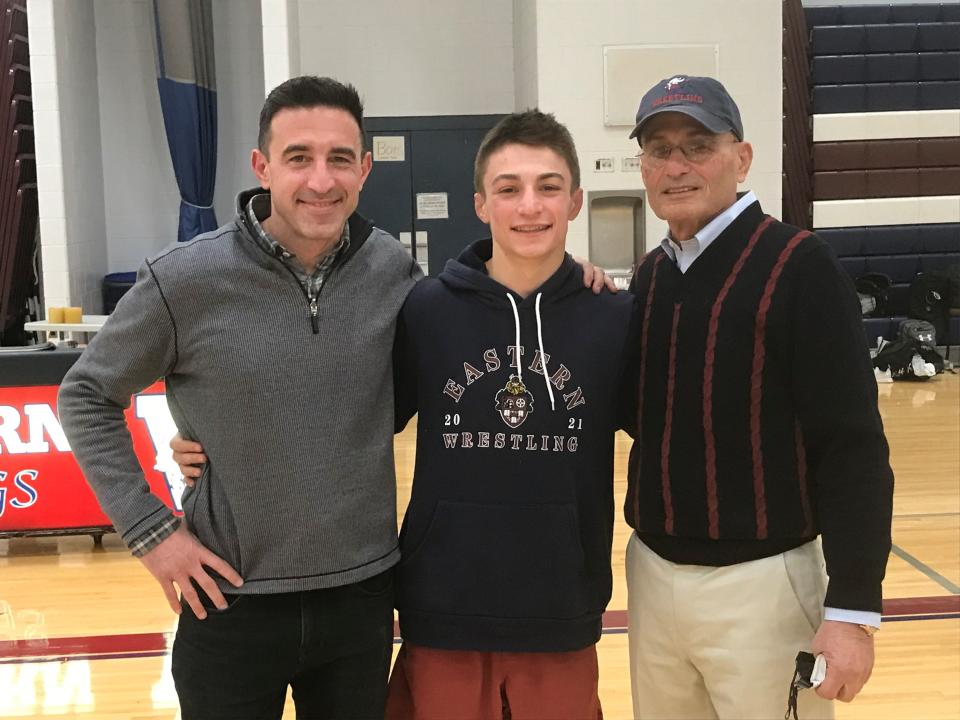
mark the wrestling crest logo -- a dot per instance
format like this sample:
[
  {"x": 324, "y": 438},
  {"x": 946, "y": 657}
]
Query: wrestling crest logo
[
  {"x": 514, "y": 402},
  {"x": 674, "y": 82}
]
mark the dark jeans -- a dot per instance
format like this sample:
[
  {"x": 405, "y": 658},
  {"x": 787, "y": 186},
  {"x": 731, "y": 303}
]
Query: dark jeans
[{"x": 332, "y": 646}]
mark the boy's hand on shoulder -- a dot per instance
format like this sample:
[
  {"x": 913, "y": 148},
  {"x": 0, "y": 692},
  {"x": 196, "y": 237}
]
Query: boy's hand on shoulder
[
  {"x": 189, "y": 456},
  {"x": 595, "y": 278}
]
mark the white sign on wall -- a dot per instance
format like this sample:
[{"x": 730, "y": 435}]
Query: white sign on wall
[
  {"x": 389, "y": 148},
  {"x": 432, "y": 206}
]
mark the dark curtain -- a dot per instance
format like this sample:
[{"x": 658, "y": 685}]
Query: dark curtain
[{"x": 188, "y": 98}]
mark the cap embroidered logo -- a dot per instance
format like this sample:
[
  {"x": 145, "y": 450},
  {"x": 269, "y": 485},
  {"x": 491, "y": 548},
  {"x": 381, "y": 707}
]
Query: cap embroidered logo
[{"x": 673, "y": 82}]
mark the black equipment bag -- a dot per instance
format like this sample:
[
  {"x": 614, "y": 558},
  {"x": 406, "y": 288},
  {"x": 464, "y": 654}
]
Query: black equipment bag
[
  {"x": 873, "y": 289},
  {"x": 930, "y": 300}
]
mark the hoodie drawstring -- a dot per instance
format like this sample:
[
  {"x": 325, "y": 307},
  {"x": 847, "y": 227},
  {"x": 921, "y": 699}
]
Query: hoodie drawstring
[
  {"x": 516, "y": 324},
  {"x": 543, "y": 355}
]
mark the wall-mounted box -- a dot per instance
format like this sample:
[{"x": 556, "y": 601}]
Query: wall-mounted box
[{"x": 616, "y": 229}]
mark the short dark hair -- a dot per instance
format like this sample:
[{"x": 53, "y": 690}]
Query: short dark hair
[
  {"x": 309, "y": 91},
  {"x": 533, "y": 128}
]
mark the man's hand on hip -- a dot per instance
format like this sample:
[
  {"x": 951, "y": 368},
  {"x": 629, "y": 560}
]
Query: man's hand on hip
[
  {"x": 848, "y": 651},
  {"x": 181, "y": 558}
]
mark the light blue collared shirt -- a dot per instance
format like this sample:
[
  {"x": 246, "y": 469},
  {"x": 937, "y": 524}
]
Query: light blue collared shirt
[
  {"x": 684, "y": 254},
  {"x": 686, "y": 251}
]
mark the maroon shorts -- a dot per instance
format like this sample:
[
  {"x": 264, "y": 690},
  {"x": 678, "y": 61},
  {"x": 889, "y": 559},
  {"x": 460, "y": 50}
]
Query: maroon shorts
[{"x": 430, "y": 684}]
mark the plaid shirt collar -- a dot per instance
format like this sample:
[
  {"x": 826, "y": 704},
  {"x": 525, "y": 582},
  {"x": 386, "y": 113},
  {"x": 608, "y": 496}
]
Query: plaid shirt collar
[{"x": 258, "y": 210}]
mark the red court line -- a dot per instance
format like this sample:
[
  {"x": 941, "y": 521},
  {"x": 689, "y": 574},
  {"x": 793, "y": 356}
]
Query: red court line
[
  {"x": 614, "y": 619},
  {"x": 921, "y": 605},
  {"x": 75, "y": 658},
  {"x": 101, "y": 647},
  {"x": 892, "y": 608},
  {"x": 86, "y": 645}
]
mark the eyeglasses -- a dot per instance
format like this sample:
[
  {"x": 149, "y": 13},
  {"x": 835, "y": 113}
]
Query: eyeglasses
[{"x": 696, "y": 152}]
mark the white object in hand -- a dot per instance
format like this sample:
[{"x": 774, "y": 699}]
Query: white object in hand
[{"x": 819, "y": 672}]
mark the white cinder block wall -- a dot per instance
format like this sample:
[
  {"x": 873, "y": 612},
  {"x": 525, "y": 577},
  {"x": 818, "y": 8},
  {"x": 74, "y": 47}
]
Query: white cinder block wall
[
  {"x": 525, "y": 54},
  {"x": 140, "y": 196},
  {"x": 240, "y": 92},
  {"x": 415, "y": 57},
  {"x": 69, "y": 166},
  {"x": 280, "y": 41},
  {"x": 46, "y": 122},
  {"x": 571, "y": 36}
]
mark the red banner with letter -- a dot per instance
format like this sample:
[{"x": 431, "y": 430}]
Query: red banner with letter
[{"x": 41, "y": 485}]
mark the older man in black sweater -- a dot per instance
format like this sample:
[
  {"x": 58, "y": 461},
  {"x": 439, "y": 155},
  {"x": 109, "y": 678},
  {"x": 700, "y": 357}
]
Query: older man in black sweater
[{"x": 757, "y": 431}]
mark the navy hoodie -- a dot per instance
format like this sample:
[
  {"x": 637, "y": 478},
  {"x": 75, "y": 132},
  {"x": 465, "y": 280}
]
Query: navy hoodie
[{"x": 506, "y": 542}]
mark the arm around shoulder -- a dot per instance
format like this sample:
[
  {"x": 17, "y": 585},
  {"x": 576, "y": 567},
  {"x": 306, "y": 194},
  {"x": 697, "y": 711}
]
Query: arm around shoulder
[
  {"x": 404, "y": 375},
  {"x": 628, "y": 405}
]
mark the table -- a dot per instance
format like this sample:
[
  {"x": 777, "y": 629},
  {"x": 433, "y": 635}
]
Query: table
[{"x": 57, "y": 332}]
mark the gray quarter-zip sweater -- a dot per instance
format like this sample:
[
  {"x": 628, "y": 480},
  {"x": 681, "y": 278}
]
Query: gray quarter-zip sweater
[{"x": 294, "y": 411}]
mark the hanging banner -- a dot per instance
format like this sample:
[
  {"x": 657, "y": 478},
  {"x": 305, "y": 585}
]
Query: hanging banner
[{"x": 41, "y": 486}]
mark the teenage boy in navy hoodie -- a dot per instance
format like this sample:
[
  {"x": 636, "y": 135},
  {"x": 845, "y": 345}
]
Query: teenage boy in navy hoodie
[{"x": 514, "y": 368}]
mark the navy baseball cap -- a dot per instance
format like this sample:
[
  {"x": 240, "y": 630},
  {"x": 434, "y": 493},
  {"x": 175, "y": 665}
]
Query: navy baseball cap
[{"x": 702, "y": 98}]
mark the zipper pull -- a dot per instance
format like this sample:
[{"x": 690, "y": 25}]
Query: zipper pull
[{"x": 315, "y": 315}]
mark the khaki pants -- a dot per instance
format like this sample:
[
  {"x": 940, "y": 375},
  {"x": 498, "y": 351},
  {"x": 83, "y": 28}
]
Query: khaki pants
[{"x": 720, "y": 642}]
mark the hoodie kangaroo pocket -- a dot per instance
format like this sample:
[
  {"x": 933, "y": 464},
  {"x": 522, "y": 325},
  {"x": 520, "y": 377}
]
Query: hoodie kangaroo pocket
[{"x": 511, "y": 561}]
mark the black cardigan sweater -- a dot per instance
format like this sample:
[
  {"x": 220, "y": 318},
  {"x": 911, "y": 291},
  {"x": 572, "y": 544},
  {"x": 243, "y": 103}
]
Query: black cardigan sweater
[{"x": 757, "y": 425}]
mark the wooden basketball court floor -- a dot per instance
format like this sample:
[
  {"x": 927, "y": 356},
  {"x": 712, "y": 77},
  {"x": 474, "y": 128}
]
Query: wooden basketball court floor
[{"x": 85, "y": 633}]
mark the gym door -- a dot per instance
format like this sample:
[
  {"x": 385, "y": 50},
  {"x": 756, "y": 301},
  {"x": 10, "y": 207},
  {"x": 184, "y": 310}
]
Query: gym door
[{"x": 421, "y": 186}]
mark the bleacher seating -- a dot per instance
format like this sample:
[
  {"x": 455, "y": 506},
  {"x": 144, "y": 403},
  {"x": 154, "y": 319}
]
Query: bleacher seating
[
  {"x": 882, "y": 58},
  {"x": 903, "y": 182},
  {"x": 893, "y": 239},
  {"x": 18, "y": 175},
  {"x": 885, "y": 154},
  {"x": 892, "y": 38},
  {"x": 882, "y": 13},
  {"x": 900, "y": 268},
  {"x": 887, "y": 96},
  {"x": 886, "y": 67},
  {"x": 899, "y": 251}
]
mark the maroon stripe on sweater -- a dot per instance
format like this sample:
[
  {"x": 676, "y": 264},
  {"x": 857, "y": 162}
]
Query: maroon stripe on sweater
[
  {"x": 709, "y": 440},
  {"x": 644, "y": 334},
  {"x": 756, "y": 383},
  {"x": 668, "y": 426},
  {"x": 802, "y": 478}
]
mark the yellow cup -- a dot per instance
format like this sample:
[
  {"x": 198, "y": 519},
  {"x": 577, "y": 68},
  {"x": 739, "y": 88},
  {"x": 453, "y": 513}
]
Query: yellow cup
[
  {"x": 72, "y": 315},
  {"x": 55, "y": 315}
]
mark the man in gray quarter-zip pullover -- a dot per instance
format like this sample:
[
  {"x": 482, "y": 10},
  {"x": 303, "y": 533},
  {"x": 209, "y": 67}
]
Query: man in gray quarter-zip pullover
[{"x": 274, "y": 336}]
